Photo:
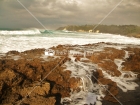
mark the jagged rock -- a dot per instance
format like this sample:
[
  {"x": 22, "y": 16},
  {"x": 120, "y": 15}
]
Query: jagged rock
[
  {"x": 105, "y": 60},
  {"x": 64, "y": 91},
  {"x": 112, "y": 88},
  {"x": 8, "y": 104},
  {"x": 77, "y": 59},
  {"x": 38, "y": 89},
  {"x": 74, "y": 82},
  {"x": 11, "y": 99},
  {"x": 100, "y": 74},
  {"x": 10, "y": 77},
  {"x": 95, "y": 76},
  {"x": 38, "y": 100},
  {"x": 34, "y": 51},
  {"x": 108, "y": 53},
  {"x": 18, "y": 77},
  {"x": 133, "y": 62},
  {"x": 138, "y": 76},
  {"x": 110, "y": 67},
  {"x": 1, "y": 87},
  {"x": 13, "y": 52}
]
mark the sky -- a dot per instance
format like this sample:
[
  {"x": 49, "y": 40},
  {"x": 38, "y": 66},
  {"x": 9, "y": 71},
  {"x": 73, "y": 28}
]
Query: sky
[{"x": 56, "y": 13}]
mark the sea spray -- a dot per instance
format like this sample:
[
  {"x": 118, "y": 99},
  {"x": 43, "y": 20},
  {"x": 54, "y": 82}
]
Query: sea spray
[{"x": 20, "y": 32}]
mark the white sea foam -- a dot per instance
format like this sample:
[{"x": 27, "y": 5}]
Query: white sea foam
[
  {"x": 20, "y": 32},
  {"x": 84, "y": 71},
  {"x": 86, "y": 95},
  {"x": 125, "y": 83},
  {"x": 25, "y": 42},
  {"x": 81, "y": 98}
]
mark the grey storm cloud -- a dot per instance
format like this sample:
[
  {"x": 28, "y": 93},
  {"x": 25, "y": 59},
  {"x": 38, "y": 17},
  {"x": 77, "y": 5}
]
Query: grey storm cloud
[{"x": 55, "y": 13}]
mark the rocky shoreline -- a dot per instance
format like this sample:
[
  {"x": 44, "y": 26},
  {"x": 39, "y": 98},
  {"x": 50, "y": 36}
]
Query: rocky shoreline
[
  {"x": 21, "y": 72},
  {"x": 129, "y": 98}
]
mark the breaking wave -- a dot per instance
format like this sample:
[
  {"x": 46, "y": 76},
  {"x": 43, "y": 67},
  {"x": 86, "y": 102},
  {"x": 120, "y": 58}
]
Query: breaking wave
[{"x": 20, "y": 32}]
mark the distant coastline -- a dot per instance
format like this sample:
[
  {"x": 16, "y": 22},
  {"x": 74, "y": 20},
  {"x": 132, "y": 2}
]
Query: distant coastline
[{"x": 126, "y": 30}]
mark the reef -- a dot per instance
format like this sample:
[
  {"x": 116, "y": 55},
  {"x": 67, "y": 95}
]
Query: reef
[{"x": 32, "y": 78}]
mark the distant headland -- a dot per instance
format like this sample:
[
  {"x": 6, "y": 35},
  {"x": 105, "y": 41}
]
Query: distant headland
[{"x": 127, "y": 30}]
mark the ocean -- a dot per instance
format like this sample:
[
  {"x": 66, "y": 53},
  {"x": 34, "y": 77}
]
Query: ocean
[{"x": 21, "y": 40}]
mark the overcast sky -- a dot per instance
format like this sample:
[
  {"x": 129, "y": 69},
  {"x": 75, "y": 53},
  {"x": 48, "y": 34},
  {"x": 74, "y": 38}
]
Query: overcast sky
[{"x": 55, "y": 13}]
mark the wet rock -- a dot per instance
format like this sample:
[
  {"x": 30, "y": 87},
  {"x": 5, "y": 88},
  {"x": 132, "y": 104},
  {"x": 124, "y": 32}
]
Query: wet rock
[
  {"x": 112, "y": 89},
  {"x": 34, "y": 51},
  {"x": 38, "y": 100},
  {"x": 105, "y": 60},
  {"x": 110, "y": 67},
  {"x": 64, "y": 91},
  {"x": 100, "y": 74},
  {"x": 39, "y": 89},
  {"x": 1, "y": 87},
  {"x": 138, "y": 76},
  {"x": 107, "y": 54},
  {"x": 74, "y": 82},
  {"x": 18, "y": 77},
  {"x": 10, "y": 77},
  {"x": 133, "y": 62},
  {"x": 13, "y": 52},
  {"x": 11, "y": 99},
  {"x": 96, "y": 76}
]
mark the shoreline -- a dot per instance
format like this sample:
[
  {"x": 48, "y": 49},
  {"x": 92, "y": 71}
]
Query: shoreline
[
  {"x": 22, "y": 70},
  {"x": 129, "y": 98}
]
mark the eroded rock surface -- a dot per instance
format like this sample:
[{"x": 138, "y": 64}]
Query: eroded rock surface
[
  {"x": 45, "y": 79},
  {"x": 133, "y": 62}
]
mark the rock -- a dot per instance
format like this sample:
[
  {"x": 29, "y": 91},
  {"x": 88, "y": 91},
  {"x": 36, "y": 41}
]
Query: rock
[
  {"x": 64, "y": 91},
  {"x": 95, "y": 76},
  {"x": 34, "y": 51},
  {"x": 133, "y": 62},
  {"x": 18, "y": 77},
  {"x": 38, "y": 89},
  {"x": 104, "y": 81},
  {"x": 100, "y": 74},
  {"x": 105, "y": 60},
  {"x": 112, "y": 88},
  {"x": 10, "y": 77},
  {"x": 138, "y": 76},
  {"x": 108, "y": 53},
  {"x": 110, "y": 67},
  {"x": 1, "y": 87},
  {"x": 38, "y": 100},
  {"x": 74, "y": 82},
  {"x": 77, "y": 59},
  {"x": 11, "y": 99},
  {"x": 13, "y": 52},
  {"x": 8, "y": 104}
]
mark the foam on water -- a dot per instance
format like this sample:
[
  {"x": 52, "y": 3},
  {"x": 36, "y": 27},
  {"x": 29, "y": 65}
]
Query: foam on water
[
  {"x": 125, "y": 83},
  {"x": 86, "y": 95},
  {"x": 20, "y": 32},
  {"x": 83, "y": 70},
  {"x": 81, "y": 98},
  {"x": 25, "y": 42}
]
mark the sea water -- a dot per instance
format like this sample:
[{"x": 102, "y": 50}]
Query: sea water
[{"x": 30, "y": 39}]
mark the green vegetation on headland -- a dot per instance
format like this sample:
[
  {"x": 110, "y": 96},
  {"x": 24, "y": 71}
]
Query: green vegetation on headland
[{"x": 127, "y": 30}]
